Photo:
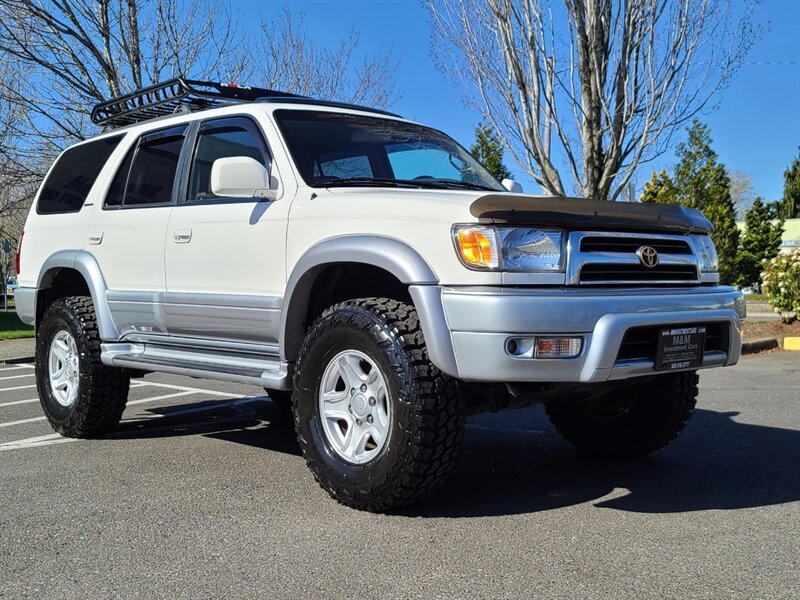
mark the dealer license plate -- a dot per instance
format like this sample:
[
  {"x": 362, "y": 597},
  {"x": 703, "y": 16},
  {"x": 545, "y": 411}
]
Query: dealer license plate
[{"x": 680, "y": 348}]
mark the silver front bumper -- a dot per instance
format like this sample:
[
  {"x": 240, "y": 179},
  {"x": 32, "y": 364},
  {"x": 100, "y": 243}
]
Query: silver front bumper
[{"x": 466, "y": 329}]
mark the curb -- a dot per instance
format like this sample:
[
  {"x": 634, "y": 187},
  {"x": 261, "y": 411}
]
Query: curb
[
  {"x": 791, "y": 343},
  {"x": 759, "y": 345}
]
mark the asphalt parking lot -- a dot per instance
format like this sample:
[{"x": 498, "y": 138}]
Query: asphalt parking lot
[{"x": 201, "y": 493}]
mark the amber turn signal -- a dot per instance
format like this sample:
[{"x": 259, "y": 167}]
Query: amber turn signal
[{"x": 477, "y": 247}]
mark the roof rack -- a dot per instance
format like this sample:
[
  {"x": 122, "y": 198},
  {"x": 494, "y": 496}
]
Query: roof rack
[{"x": 181, "y": 95}]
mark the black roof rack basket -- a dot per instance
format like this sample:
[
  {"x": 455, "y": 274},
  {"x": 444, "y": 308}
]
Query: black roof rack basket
[{"x": 175, "y": 96}]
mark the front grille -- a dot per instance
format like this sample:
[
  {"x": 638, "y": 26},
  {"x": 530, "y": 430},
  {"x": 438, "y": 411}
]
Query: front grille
[
  {"x": 636, "y": 273},
  {"x": 640, "y": 343},
  {"x": 632, "y": 244}
]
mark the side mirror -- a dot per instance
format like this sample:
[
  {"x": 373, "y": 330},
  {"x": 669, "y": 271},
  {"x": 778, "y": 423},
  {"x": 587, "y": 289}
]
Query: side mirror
[
  {"x": 240, "y": 177},
  {"x": 512, "y": 186}
]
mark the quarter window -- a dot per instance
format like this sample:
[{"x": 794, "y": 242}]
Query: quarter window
[
  {"x": 223, "y": 138},
  {"x": 73, "y": 176}
]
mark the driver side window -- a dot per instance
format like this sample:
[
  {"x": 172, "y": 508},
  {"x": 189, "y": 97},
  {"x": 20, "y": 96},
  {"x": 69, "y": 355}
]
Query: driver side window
[{"x": 223, "y": 138}]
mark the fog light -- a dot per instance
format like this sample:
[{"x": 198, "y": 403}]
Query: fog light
[{"x": 558, "y": 347}]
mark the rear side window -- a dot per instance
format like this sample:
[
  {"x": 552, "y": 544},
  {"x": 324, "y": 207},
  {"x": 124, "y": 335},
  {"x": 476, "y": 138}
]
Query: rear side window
[
  {"x": 73, "y": 175},
  {"x": 147, "y": 175}
]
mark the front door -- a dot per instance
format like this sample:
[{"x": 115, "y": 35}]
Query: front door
[{"x": 225, "y": 266}]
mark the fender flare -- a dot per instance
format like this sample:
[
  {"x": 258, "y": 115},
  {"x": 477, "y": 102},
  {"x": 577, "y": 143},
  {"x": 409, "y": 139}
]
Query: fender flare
[
  {"x": 85, "y": 264},
  {"x": 389, "y": 254}
]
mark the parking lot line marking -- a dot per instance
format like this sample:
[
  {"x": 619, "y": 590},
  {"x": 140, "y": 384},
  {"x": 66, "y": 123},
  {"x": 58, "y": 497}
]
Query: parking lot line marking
[
  {"x": 19, "y": 402},
  {"x": 153, "y": 399},
  {"x": 16, "y": 367},
  {"x": 17, "y": 376},
  {"x": 22, "y": 421},
  {"x": 142, "y": 401},
  {"x": 55, "y": 438},
  {"x": 190, "y": 389},
  {"x": 42, "y": 440},
  {"x": 19, "y": 387}
]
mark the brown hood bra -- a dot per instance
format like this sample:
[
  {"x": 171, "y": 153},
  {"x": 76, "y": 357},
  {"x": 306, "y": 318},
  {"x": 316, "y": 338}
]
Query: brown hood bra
[{"x": 582, "y": 213}]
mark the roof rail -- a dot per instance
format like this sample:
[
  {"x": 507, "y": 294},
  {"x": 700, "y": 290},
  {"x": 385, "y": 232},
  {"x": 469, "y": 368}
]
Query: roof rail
[
  {"x": 181, "y": 95},
  {"x": 333, "y": 104}
]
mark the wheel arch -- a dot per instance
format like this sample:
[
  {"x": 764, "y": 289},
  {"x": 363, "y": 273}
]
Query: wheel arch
[
  {"x": 73, "y": 266},
  {"x": 387, "y": 255}
]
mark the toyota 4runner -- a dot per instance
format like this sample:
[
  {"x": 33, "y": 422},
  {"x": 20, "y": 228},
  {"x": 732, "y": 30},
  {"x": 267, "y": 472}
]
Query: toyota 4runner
[{"x": 369, "y": 274}]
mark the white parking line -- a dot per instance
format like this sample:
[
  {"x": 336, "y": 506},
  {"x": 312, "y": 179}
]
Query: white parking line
[
  {"x": 19, "y": 387},
  {"x": 34, "y": 419},
  {"x": 17, "y": 376},
  {"x": 19, "y": 402},
  {"x": 23, "y": 366},
  {"x": 190, "y": 389},
  {"x": 42, "y": 440},
  {"x": 54, "y": 438}
]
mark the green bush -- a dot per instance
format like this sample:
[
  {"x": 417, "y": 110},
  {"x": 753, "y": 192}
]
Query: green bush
[{"x": 781, "y": 282}]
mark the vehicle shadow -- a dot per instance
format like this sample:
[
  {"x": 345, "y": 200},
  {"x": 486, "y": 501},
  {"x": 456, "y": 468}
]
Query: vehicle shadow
[
  {"x": 251, "y": 421},
  {"x": 514, "y": 462},
  {"x": 716, "y": 463}
]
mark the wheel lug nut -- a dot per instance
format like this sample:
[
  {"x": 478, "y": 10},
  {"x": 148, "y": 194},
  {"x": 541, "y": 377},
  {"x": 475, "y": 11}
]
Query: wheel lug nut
[
  {"x": 363, "y": 387},
  {"x": 372, "y": 401},
  {"x": 358, "y": 422},
  {"x": 369, "y": 419},
  {"x": 350, "y": 408}
]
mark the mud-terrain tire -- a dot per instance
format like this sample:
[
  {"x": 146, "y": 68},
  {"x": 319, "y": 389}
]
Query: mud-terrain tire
[
  {"x": 381, "y": 341},
  {"x": 282, "y": 399},
  {"x": 89, "y": 398},
  {"x": 632, "y": 421}
]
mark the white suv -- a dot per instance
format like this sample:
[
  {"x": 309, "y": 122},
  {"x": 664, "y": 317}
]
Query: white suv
[{"x": 369, "y": 274}]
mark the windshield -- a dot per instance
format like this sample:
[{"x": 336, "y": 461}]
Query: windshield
[{"x": 335, "y": 149}]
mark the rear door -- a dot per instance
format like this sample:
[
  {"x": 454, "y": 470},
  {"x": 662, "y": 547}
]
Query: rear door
[
  {"x": 225, "y": 267},
  {"x": 127, "y": 235}
]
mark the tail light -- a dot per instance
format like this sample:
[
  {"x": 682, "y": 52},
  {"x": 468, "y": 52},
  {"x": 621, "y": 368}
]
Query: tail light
[{"x": 19, "y": 250}]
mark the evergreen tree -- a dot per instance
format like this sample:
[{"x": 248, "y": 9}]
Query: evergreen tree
[
  {"x": 489, "y": 151},
  {"x": 790, "y": 205},
  {"x": 759, "y": 243},
  {"x": 703, "y": 183},
  {"x": 660, "y": 189}
]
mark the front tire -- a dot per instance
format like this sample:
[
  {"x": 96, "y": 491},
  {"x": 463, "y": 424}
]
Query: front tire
[
  {"x": 631, "y": 421},
  {"x": 378, "y": 424},
  {"x": 81, "y": 397}
]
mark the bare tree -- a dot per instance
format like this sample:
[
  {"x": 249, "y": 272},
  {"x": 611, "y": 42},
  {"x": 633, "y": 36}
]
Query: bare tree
[
  {"x": 76, "y": 53},
  {"x": 743, "y": 193},
  {"x": 589, "y": 89},
  {"x": 58, "y": 58},
  {"x": 288, "y": 59}
]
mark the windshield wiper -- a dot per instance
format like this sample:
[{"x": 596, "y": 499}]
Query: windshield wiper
[
  {"x": 439, "y": 183},
  {"x": 370, "y": 181}
]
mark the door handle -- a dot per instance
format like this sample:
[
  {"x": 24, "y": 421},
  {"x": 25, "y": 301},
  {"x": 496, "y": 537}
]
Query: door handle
[
  {"x": 182, "y": 236},
  {"x": 95, "y": 237}
]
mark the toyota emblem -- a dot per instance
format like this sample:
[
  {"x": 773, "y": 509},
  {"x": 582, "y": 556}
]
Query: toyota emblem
[{"x": 648, "y": 256}]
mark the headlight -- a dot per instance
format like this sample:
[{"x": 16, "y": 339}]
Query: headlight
[
  {"x": 706, "y": 253},
  {"x": 509, "y": 248}
]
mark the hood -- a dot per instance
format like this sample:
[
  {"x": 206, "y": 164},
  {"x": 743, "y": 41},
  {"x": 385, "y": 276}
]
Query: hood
[{"x": 582, "y": 213}]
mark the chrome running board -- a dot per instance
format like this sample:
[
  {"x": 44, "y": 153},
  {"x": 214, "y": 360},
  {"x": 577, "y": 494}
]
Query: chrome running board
[{"x": 265, "y": 371}]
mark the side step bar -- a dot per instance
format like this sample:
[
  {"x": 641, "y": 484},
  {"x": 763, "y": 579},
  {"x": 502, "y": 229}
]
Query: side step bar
[{"x": 269, "y": 372}]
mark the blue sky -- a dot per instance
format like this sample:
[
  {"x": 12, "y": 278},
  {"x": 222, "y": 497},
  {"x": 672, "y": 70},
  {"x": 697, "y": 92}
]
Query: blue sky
[{"x": 755, "y": 123}]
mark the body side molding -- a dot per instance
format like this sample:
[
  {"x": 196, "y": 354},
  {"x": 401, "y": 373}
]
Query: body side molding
[{"x": 389, "y": 254}]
